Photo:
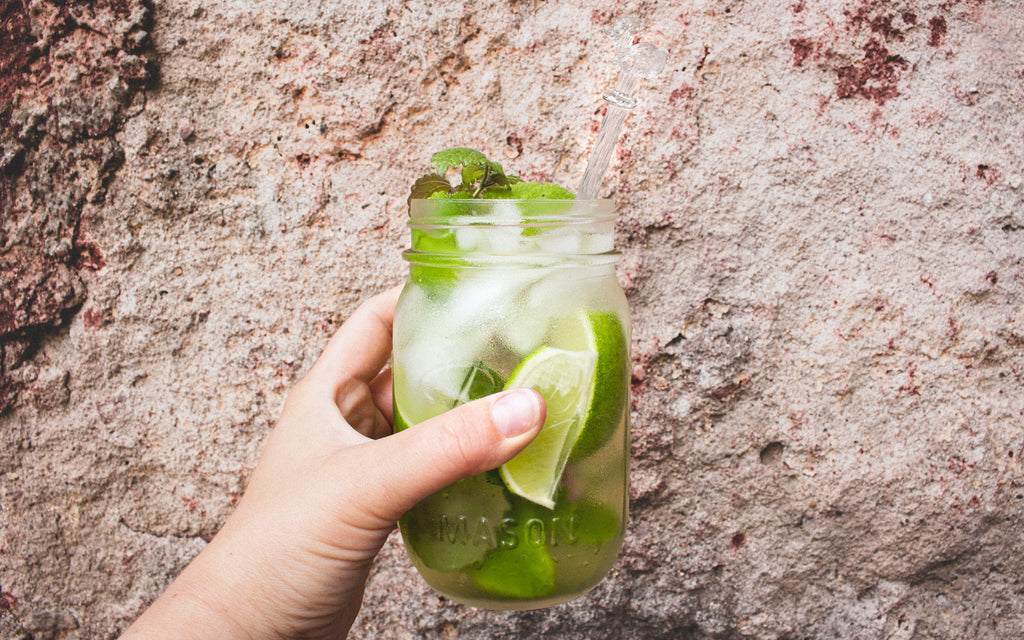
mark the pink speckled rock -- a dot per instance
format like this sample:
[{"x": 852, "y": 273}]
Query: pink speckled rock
[{"x": 822, "y": 226}]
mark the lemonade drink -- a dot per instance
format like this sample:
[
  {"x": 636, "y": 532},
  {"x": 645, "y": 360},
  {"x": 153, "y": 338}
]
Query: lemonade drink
[{"x": 511, "y": 293}]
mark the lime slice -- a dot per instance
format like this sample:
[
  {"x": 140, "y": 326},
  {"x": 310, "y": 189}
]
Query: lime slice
[
  {"x": 566, "y": 381},
  {"x": 401, "y": 424},
  {"x": 602, "y": 333}
]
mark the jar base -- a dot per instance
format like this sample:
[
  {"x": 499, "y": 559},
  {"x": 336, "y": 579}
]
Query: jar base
[
  {"x": 573, "y": 582},
  {"x": 516, "y": 605}
]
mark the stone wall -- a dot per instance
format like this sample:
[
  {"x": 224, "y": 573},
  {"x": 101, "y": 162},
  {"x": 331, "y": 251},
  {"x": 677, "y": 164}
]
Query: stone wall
[{"x": 822, "y": 222}]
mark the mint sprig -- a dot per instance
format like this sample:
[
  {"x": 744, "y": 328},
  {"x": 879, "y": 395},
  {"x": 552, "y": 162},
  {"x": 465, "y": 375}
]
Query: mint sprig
[{"x": 480, "y": 179}]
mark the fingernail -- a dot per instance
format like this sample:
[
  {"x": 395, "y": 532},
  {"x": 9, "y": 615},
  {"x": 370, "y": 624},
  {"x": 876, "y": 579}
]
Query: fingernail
[{"x": 516, "y": 412}]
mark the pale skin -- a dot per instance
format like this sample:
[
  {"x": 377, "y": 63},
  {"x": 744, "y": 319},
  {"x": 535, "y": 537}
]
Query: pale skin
[{"x": 331, "y": 483}]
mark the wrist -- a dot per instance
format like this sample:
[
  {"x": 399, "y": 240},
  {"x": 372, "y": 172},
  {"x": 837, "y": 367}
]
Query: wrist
[
  {"x": 182, "y": 614},
  {"x": 206, "y": 602}
]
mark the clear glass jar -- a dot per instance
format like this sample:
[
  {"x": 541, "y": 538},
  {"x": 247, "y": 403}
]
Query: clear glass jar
[{"x": 496, "y": 290}]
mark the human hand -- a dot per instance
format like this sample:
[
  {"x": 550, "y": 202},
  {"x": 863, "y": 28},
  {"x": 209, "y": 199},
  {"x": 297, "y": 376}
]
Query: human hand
[{"x": 293, "y": 559}]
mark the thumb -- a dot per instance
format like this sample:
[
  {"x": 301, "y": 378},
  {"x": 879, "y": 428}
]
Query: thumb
[{"x": 470, "y": 439}]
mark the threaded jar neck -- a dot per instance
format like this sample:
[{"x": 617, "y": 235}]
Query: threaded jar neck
[{"x": 541, "y": 232}]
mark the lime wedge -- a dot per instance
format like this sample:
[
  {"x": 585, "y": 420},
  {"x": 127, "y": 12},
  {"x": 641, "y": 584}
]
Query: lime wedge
[
  {"x": 523, "y": 572},
  {"x": 603, "y": 333},
  {"x": 566, "y": 381}
]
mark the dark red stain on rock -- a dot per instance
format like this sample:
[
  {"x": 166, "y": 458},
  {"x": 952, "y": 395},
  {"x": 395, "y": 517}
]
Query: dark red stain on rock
[
  {"x": 7, "y": 601},
  {"x": 936, "y": 31},
  {"x": 881, "y": 24},
  {"x": 738, "y": 540},
  {"x": 680, "y": 95},
  {"x": 63, "y": 96},
  {"x": 875, "y": 77},
  {"x": 88, "y": 256},
  {"x": 876, "y": 74},
  {"x": 987, "y": 173},
  {"x": 803, "y": 48},
  {"x": 93, "y": 318}
]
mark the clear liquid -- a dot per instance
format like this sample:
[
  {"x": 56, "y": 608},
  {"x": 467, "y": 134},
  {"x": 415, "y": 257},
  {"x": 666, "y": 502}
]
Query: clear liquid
[{"x": 459, "y": 333}]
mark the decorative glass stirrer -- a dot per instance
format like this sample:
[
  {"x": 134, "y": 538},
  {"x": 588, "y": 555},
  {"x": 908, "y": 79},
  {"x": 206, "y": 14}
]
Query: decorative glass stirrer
[{"x": 642, "y": 60}]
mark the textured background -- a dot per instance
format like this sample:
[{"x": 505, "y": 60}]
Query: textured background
[{"x": 822, "y": 221}]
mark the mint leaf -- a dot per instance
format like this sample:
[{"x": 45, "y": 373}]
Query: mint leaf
[
  {"x": 480, "y": 381},
  {"x": 496, "y": 193},
  {"x": 536, "y": 190},
  {"x": 472, "y": 172},
  {"x": 428, "y": 185},
  {"x": 442, "y": 161},
  {"x": 497, "y": 175},
  {"x": 444, "y": 195}
]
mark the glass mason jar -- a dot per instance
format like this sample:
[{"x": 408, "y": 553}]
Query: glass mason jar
[{"x": 502, "y": 294}]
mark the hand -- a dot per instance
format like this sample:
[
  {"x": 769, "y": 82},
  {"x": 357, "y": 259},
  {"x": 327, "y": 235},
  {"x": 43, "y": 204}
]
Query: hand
[{"x": 292, "y": 560}]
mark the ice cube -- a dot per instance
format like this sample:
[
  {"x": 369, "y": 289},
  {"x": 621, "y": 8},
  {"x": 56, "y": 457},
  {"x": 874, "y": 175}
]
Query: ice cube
[
  {"x": 484, "y": 296},
  {"x": 503, "y": 232},
  {"x": 470, "y": 238},
  {"x": 564, "y": 241},
  {"x": 506, "y": 212},
  {"x": 505, "y": 241},
  {"x": 549, "y": 297}
]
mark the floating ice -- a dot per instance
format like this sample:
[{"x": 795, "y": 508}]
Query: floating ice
[{"x": 563, "y": 241}]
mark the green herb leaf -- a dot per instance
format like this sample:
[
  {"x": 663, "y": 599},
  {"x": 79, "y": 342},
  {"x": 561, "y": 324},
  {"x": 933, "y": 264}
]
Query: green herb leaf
[
  {"x": 428, "y": 185},
  {"x": 471, "y": 173},
  {"x": 442, "y": 161},
  {"x": 444, "y": 195},
  {"x": 498, "y": 176},
  {"x": 535, "y": 190},
  {"x": 496, "y": 193}
]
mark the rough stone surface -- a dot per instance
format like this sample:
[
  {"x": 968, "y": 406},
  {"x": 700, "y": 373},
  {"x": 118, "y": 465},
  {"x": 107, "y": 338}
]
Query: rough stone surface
[
  {"x": 68, "y": 74},
  {"x": 822, "y": 221}
]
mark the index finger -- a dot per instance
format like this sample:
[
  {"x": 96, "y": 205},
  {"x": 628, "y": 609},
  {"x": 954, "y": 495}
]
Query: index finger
[{"x": 361, "y": 347}]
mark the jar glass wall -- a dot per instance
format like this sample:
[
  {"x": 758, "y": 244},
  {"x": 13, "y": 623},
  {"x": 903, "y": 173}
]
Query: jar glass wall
[{"x": 505, "y": 293}]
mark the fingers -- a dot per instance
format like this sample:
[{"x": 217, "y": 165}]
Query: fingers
[
  {"x": 367, "y": 408},
  {"x": 465, "y": 441},
  {"x": 358, "y": 405},
  {"x": 362, "y": 346},
  {"x": 380, "y": 389}
]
